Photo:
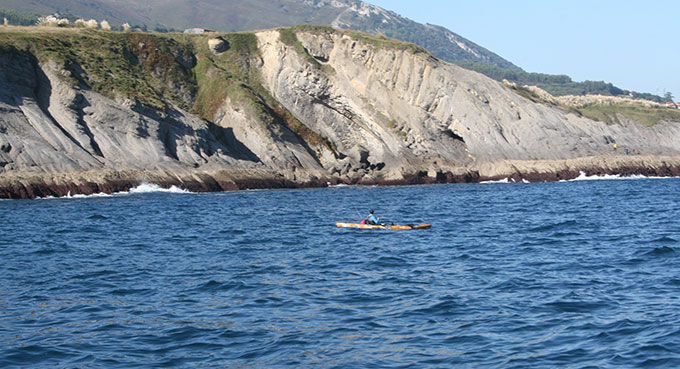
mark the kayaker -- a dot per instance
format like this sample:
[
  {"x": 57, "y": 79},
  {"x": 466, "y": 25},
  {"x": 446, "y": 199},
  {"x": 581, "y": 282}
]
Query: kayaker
[{"x": 371, "y": 218}]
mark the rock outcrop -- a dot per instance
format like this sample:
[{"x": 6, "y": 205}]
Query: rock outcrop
[
  {"x": 283, "y": 108},
  {"x": 218, "y": 45}
]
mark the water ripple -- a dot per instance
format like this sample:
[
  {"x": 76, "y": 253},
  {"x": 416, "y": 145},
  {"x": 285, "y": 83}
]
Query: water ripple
[{"x": 575, "y": 274}]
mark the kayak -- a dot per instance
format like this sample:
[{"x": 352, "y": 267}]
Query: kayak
[{"x": 380, "y": 226}]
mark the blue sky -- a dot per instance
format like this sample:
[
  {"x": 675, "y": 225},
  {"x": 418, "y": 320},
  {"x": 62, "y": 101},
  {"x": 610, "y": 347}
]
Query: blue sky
[{"x": 633, "y": 44}]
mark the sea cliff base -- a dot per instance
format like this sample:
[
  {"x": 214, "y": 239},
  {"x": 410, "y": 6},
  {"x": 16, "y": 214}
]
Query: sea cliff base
[{"x": 42, "y": 185}]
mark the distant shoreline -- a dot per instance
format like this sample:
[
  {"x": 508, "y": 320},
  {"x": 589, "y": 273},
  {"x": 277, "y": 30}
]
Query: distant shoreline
[{"x": 33, "y": 185}]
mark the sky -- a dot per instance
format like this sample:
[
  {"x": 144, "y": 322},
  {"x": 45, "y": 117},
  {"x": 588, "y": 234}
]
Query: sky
[{"x": 635, "y": 45}]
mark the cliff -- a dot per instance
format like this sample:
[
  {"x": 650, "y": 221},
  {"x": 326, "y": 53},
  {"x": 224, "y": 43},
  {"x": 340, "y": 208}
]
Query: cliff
[
  {"x": 85, "y": 111},
  {"x": 248, "y": 15}
]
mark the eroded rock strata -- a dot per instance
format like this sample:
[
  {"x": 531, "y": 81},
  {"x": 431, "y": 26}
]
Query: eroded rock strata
[{"x": 283, "y": 108}]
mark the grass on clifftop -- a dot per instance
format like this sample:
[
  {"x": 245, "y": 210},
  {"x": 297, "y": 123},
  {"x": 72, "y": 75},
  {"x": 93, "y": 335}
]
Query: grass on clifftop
[
  {"x": 157, "y": 70},
  {"x": 231, "y": 74},
  {"x": 289, "y": 37},
  {"x": 377, "y": 41},
  {"x": 384, "y": 42},
  {"x": 608, "y": 113},
  {"x": 227, "y": 74},
  {"x": 644, "y": 115},
  {"x": 136, "y": 66}
]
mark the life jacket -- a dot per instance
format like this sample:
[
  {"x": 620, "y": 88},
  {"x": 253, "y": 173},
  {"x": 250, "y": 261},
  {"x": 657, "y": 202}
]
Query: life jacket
[{"x": 363, "y": 221}]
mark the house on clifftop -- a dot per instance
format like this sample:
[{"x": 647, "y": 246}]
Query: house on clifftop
[{"x": 198, "y": 30}]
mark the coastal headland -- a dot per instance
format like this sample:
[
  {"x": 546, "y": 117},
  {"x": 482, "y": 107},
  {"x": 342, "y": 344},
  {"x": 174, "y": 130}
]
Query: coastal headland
[{"x": 85, "y": 111}]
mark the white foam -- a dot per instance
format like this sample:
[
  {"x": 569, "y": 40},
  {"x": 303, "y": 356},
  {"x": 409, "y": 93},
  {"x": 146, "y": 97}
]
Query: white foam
[
  {"x": 145, "y": 187},
  {"x": 583, "y": 177},
  {"x": 80, "y": 196},
  {"x": 506, "y": 180},
  {"x": 152, "y": 187}
]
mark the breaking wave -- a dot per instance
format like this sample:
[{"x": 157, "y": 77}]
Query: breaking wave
[
  {"x": 584, "y": 177},
  {"x": 143, "y": 188},
  {"x": 152, "y": 187}
]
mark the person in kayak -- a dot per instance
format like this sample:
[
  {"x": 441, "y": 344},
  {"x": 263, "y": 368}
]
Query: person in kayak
[{"x": 372, "y": 218}]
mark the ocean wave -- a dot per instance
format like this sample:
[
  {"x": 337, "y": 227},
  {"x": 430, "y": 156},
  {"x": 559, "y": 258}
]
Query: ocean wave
[
  {"x": 146, "y": 187},
  {"x": 215, "y": 286},
  {"x": 81, "y": 196},
  {"x": 143, "y": 188},
  {"x": 76, "y": 196},
  {"x": 151, "y": 280},
  {"x": 655, "y": 254},
  {"x": 505, "y": 180},
  {"x": 661, "y": 251},
  {"x": 389, "y": 262},
  {"x": 665, "y": 239},
  {"x": 577, "y": 306},
  {"x": 584, "y": 177},
  {"x": 553, "y": 226}
]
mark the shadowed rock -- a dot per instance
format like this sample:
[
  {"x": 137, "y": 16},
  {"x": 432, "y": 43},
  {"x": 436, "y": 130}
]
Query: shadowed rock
[{"x": 339, "y": 109}]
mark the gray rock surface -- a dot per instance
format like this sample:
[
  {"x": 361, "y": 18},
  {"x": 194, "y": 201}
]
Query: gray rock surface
[
  {"x": 411, "y": 111},
  {"x": 387, "y": 113}
]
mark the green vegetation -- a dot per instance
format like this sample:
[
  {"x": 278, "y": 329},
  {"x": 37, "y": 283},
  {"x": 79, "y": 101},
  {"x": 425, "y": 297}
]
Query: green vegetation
[
  {"x": 164, "y": 29},
  {"x": 253, "y": 14},
  {"x": 156, "y": 69},
  {"x": 392, "y": 124},
  {"x": 608, "y": 112},
  {"x": 289, "y": 37},
  {"x": 644, "y": 115},
  {"x": 437, "y": 40},
  {"x": 160, "y": 57},
  {"x": 237, "y": 15},
  {"x": 529, "y": 95},
  {"x": 433, "y": 38},
  {"x": 556, "y": 85},
  {"x": 213, "y": 88},
  {"x": 381, "y": 42},
  {"x": 230, "y": 74},
  {"x": 91, "y": 59},
  {"x": 18, "y": 18},
  {"x": 226, "y": 75}
]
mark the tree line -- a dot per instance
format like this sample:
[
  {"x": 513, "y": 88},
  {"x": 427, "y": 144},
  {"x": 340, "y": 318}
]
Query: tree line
[{"x": 556, "y": 85}]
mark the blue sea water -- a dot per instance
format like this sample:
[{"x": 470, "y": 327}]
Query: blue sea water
[{"x": 580, "y": 274}]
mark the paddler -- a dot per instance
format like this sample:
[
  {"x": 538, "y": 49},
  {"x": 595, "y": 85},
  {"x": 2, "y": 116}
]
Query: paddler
[{"x": 371, "y": 218}]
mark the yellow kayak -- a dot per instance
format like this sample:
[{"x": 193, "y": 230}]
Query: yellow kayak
[{"x": 379, "y": 226}]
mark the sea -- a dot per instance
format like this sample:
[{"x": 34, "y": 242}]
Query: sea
[{"x": 577, "y": 274}]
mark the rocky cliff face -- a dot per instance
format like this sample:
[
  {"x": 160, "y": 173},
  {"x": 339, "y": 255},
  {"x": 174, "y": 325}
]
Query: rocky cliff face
[
  {"x": 306, "y": 106},
  {"x": 401, "y": 106}
]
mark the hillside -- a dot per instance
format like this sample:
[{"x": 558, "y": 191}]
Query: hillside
[
  {"x": 84, "y": 111},
  {"x": 248, "y": 15},
  {"x": 222, "y": 15},
  {"x": 234, "y": 16}
]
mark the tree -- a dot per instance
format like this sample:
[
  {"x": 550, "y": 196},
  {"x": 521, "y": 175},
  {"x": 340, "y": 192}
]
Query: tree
[{"x": 668, "y": 96}]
